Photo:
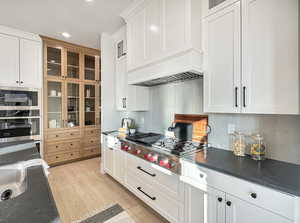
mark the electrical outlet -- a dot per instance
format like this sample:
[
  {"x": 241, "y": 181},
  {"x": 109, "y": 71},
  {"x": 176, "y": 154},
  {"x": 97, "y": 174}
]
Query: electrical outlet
[{"x": 231, "y": 128}]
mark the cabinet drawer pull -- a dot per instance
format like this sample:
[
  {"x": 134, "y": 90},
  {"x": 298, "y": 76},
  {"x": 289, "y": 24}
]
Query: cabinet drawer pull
[
  {"x": 236, "y": 97},
  {"x": 201, "y": 175},
  {"x": 71, "y": 134},
  {"x": 56, "y": 136},
  {"x": 57, "y": 157},
  {"x": 141, "y": 169},
  {"x": 220, "y": 199},
  {"x": 71, "y": 144},
  {"x": 152, "y": 198},
  {"x": 92, "y": 132},
  {"x": 244, "y": 97},
  {"x": 228, "y": 203},
  {"x": 56, "y": 147},
  {"x": 254, "y": 195},
  {"x": 71, "y": 154}
]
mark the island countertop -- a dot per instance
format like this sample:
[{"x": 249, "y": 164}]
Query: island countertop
[
  {"x": 278, "y": 175},
  {"x": 36, "y": 204}
]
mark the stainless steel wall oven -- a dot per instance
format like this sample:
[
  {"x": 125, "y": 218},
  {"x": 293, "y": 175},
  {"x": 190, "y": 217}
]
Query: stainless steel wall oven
[{"x": 20, "y": 114}]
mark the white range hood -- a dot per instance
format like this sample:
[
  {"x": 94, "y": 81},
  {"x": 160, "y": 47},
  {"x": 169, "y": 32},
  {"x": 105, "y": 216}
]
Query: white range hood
[{"x": 163, "y": 41}]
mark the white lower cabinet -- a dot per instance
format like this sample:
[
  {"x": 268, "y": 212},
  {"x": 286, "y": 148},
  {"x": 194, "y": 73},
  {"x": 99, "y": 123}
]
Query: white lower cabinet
[
  {"x": 238, "y": 211},
  {"x": 108, "y": 160},
  {"x": 119, "y": 164}
]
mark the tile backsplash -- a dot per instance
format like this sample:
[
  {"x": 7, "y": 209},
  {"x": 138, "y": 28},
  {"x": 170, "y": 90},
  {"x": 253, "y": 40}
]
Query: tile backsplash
[{"x": 281, "y": 132}]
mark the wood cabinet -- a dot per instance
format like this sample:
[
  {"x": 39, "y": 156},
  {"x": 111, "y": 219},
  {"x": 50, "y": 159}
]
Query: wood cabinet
[
  {"x": 156, "y": 46},
  {"x": 20, "y": 60},
  {"x": 71, "y": 99},
  {"x": 252, "y": 81}
]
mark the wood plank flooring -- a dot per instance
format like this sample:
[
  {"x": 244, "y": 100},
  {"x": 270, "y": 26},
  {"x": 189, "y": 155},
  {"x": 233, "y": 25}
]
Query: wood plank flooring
[{"x": 80, "y": 190}]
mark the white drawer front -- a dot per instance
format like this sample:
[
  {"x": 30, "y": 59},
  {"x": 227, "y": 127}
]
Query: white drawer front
[
  {"x": 272, "y": 200},
  {"x": 169, "y": 181},
  {"x": 155, "y": 198}
]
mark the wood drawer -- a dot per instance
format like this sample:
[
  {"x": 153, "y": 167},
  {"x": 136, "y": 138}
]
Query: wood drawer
[
  {"x": 62, "y": 147},
  {"x": 92, "y": 142},
  {"x": 168, "y": 181},
  {"x": 91, "y": 151},
  {"x": 92, "y": 132},
  {"x": 62, "y": 134},
  {"x": 264, "y": 197},
  {"x": 51, "y": 159},
  {"x": 155, "y": 198}
]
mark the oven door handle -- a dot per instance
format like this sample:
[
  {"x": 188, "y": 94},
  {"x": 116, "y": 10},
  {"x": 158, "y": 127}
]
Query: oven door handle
[
  {"x": 141, "y": 169},
  {"x": 152, "y": 198}
]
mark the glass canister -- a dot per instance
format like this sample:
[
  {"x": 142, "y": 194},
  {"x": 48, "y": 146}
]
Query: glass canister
[
  {"x": 238, "y": 144},
  {"x": 258, "y": 148}
]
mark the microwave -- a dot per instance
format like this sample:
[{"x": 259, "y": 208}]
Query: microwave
[{"x": 20, "y": 98}]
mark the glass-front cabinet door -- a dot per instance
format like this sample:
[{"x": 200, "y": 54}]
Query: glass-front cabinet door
[
  {"x": 73, "y": 64},
  {"x": 89, "y": 68},
  {"x": 54, "y": 105},
  {"x": 73, "y": 104},
  {"x": 54, "y": 61},
  {"x": 89, "y": 104}
]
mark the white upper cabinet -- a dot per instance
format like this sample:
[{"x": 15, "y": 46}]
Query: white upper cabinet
[
  {"x": 30, "y": 63},
  {"x": 164, "y": 38},
  {"x": 9, "y": 61},
  {"x": 270, "y": 57},
  {"x": 255, "y": 69},
  {"x": 20, "y": 59},
  {"x": 222, "y": 60},
  {"x": 128, "y": 97}
]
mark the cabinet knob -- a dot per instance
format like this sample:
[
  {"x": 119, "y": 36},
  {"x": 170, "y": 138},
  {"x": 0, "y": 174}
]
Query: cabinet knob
[
  {"x": 21, "y": 82},
  {"x": 56, "y": 136},
  {"x": 254, "y": 195},
  {"x": 56, "y": 147},
  {"x": 201, "y": 175},
  {"x": 228, "y": 203},
  {"x": 56, "y": 157},
  {"x": 220, "y": 199},
  {"x": 17, "y": 82}
]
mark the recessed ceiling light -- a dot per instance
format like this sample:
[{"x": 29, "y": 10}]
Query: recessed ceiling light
[
  {"x": 89, "y": 0},
  {"x": 66, "y": 35}
]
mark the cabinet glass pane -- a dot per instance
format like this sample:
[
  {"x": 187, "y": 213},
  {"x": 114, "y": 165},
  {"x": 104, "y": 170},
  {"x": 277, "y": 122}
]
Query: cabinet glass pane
[
  {"x": 73, "y": 104},
  {"x": 73, "y": 65},
  {"x": 89, "y": 105},
  {"x": 214, "y": 3},
  {"x": 53, "y": 61},
  {"x": 89, "y": 67},
  {"x": 54, "y": 105}
]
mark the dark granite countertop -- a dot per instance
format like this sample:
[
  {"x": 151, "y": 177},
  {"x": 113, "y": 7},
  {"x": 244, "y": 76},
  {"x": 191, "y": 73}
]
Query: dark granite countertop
[
  {"x": 36, "y": 204},
  {"x": 109, "y": 132},
  {"x": 274, "y": 174}
]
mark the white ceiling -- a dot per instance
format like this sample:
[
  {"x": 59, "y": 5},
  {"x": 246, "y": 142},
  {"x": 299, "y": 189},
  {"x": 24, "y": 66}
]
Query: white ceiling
[{"x": 85, "y": 21}]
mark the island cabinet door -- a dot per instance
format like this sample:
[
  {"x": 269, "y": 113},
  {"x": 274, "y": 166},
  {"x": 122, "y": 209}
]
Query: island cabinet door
[
  {"x": 238, "y": 211},
  {"x": 204, "y": 205}
]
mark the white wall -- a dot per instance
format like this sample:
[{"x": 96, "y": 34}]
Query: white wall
[{"x": 110, "y": 118}]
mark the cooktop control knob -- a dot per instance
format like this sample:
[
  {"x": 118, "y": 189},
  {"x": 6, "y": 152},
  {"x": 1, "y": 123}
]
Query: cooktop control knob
[
  {"x": 165, "y": 163},
  {"x": 137, "y": 151},
  {"x": 153, "y": 158}
]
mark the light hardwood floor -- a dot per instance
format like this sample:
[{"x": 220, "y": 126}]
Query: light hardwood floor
[{"x": 80, "y": 190}]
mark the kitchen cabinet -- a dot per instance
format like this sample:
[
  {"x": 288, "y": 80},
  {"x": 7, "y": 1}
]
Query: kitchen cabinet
[
  {"x": 71, "y": 96},
  {"x": 128, "y": 97},
  {"x": 204, "y": 205},
  {"x": 109, "y": 160},
  {"x": 238, "y": 210},
  {"x": 220, "y": 198},
  {"x": 252, "y": 81},
  {"x": 30, "y": 64},
  {"x": 20, "y": 62},
  {"x": 119, "y": 164},
  {"x": 156, "y": 47},
  {"x": 222, "y": 61},
  {"x": 9, "y": 61},
  {"x": 270, "y": 75}
]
